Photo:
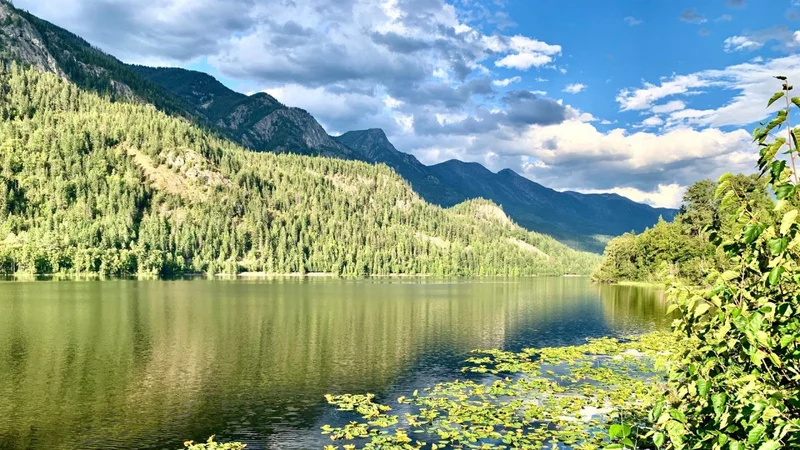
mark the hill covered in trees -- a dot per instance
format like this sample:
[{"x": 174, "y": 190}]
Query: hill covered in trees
[
  {"x": 684, "y": 244},
  {"x": 94, "y": 186}
]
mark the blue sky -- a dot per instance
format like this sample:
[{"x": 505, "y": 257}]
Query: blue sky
[{"x": 637, "y": 97}]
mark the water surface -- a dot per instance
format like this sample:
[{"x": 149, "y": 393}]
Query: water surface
[{"x": 149, "y": 364}]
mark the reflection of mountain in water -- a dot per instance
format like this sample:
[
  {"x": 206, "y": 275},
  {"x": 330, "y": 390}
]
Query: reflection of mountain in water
[{"x": 149, "y": 364}]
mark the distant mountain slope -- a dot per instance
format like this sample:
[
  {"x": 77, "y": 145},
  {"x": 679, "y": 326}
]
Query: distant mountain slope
[
  {"x": 583, "y": 221},
  {"x": 373, "y": 146}
]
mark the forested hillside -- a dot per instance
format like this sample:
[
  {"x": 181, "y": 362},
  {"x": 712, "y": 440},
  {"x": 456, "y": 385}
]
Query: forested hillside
[
  {"x": 684, "y": 244},
  {"x": 94, "y": 186}
]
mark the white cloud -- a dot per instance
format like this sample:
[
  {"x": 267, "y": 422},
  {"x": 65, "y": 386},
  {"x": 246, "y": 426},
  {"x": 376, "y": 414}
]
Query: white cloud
[
  {"x": 576, "y": 154},
  {"x": 739, "y": 43},
  {"x": 643, "y": 98},
  {"x": 786, "y": 40},
  {"x": 664, "y": 196},
  {"x": 671, "y": 106},
  {"x": 632, "y": 21},
  {"x": 528, "y": 53},
  {"x": 391, "y": 102},
  {"x": 507, "y": 81},
  {"x": 652, "y": 121},
  {"x": 747, "y": 84},
  {"x": 406, "y": 122},
  {"x": 574, "y": 88}
]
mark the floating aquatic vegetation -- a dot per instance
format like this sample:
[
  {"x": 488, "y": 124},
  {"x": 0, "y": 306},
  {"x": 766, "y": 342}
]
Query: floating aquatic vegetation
[{"x": 563, "y": 398}]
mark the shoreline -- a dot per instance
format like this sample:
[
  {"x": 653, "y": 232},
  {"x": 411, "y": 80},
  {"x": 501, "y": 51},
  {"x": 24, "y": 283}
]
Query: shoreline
[{"x": 256, "y": 275}]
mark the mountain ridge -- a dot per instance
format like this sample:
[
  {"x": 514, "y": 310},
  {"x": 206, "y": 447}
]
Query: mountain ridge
[{"x": 572, "y": 217}]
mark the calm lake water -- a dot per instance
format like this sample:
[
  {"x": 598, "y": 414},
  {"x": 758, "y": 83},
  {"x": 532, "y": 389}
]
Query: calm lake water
[{"x": 149, "y": 364}]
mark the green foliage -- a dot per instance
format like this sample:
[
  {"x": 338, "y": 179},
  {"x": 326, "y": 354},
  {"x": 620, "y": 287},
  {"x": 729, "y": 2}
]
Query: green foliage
[
  {"x": 537, "y": 398},
  {"x": 211, "y": 445},
  {"x": 633, "y": 257},
  {"x": 738, "y": 386},
  {"x": 94, "y": 186},
  {"x": 683, "y": 245}
]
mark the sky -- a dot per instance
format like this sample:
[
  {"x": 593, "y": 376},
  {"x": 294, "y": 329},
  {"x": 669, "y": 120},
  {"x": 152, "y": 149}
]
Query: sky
[{"x": 637, "y": 97}]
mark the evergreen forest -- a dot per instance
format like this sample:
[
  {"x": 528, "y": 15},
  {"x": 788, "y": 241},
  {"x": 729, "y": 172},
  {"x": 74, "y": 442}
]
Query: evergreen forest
[{"x": 90, "y": 185}]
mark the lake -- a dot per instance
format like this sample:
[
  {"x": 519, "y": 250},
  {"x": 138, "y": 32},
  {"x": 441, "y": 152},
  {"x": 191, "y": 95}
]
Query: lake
[{"x": 150, "y": 364}]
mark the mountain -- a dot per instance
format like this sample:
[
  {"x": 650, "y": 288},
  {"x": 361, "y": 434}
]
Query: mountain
[
  {"x": 260, "y": 122},
  {"x": 90, "y": 185},
  {"x": 584, "y": 221},
  {"x": 28, "y": 39},
  {"x": 373, "y": 146}
]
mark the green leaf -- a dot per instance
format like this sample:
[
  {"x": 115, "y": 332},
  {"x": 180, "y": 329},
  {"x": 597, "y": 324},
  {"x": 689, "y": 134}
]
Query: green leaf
[
  {"x": 658, "y": 439},
  {"x": 778, "y": 245},
  {"x": 677, "y": 415},
  {"x": 755, "y": 434},
  {"x": 796, "y": 101},
  {"x": 775, "y": 275},
  {"x": 615, "y": 431},
  {"x": 788, "y": 221},
  {"x": 775, "y": 97},
  {"x": 657, "y": 409},
  {"x": 784, "y": 191},
  {"x": 729, "y": 275},
  {"x": 703, "y": 387},
  {"x": 701, "y": 309},
  {"x": 770, "y": 445},
  {"x": 752, "y": 232},
  {"x": 718, "y": 400},
  {"x": 781, "y": 77}
]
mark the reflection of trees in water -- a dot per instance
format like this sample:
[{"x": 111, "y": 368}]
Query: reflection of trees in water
[
  {"x": 94, "y": 364},
  {"x": 631, "y": 308}
]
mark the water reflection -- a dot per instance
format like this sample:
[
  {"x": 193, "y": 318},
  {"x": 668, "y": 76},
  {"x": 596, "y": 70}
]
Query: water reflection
[{"x": 148, "y": 364}]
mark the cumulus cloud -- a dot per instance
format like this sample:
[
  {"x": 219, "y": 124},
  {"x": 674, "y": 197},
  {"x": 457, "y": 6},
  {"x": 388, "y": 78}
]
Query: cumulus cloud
[
  {"x": 671, "y": 106},
  {"x": 663, "y": 196},
  {"x": 574, "y": 88},
  {"x": 520, "y": 109},
  {"x": 750, "y": 82},
  {"x": 162, "y": 31},
  {"x": 785, "y": 40},
  {"x": 527, "y": 53}
]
